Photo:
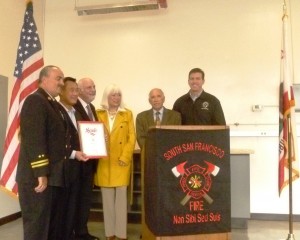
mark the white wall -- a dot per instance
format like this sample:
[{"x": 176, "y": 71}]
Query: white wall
[{"x": 236, "y": 42}]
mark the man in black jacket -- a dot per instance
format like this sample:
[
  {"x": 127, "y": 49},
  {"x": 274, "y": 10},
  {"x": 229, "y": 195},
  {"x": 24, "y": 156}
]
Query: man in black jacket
[
  {"x": 43, "y": 151},
  {"x": 86, "y": 110},
  {"x": 198, "y": 107},
  {"x": 68, "y": 97}
]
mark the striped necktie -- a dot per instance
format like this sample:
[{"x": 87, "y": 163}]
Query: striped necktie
[
  {"x": 157, "y": 118},
  {"x": 90, "y": 113}
]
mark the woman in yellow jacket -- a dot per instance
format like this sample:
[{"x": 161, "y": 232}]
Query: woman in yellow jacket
[{"x": 113, "y": 171}]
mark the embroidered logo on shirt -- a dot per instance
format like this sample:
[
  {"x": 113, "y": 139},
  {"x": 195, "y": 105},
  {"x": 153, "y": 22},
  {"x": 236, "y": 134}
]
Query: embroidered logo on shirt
[{"x": 205, "y": 105}]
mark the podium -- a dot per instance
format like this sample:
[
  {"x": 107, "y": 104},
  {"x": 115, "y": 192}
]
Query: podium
[{"x": 187, "y": 183}]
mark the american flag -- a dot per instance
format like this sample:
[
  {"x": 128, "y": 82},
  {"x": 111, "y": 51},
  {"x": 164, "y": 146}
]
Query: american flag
[
  {"x": 287, "y": 125},
  {"x": 28, "y": 65}
]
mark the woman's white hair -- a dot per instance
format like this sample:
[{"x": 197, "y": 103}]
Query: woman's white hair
[{"x": 111, "y": 89}]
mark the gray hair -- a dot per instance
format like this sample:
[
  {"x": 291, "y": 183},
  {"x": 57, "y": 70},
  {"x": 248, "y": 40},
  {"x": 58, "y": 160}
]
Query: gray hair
[{"x": 44, "y": 72}]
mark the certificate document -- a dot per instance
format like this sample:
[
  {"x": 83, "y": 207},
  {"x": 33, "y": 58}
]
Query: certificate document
[{"x": 92, "y": 139}]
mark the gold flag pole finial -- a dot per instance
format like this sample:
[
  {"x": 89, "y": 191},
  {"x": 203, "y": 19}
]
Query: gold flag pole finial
[{"x": 284, "y": 10}]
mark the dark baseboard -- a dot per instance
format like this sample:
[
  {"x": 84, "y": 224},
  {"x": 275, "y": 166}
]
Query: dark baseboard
[
  {"x": 273, "y": 217},
  {"x": 132, "y": 217},
  {"x": 96, "y": 216},
  {"x": 10, "y": 218}
]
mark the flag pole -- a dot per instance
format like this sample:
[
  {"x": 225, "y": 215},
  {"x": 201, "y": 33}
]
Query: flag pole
[
  {"x": 291, "y": 234},
  {"x": 287, "y": 127}
]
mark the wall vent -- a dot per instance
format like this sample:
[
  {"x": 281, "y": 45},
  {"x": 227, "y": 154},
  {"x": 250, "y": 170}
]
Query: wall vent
[{"x": 90, "y": 7}]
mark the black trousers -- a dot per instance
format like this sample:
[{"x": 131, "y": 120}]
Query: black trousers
[
  {"x": 36, "y": 211},
  {"x": 56, "y": 227},
  {"x": 85, "y": 197},
  {"x": 71, "y": 196}
]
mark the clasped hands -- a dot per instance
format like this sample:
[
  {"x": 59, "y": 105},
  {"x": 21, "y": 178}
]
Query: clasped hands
[{"x": 122, "y": 163}]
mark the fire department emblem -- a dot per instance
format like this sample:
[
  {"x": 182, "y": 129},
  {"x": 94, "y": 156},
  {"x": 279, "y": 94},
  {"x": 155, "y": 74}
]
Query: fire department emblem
[{"x": 196, "y": 180}]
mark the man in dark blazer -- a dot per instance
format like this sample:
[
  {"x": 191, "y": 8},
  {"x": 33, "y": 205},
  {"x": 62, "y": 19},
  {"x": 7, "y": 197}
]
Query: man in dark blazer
[
  {"x": 68, "y": 97},
  {"x": 86, "y": 110},
  {"x": 43, "y": 151},
  {"x": 149, "y": 118}
]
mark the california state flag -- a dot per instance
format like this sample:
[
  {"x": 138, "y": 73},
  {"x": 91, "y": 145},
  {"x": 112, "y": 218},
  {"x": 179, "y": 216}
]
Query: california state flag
[{"x": 287, "y": 126}]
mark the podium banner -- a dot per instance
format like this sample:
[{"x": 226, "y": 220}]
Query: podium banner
[{"x": 187, "y": 181}]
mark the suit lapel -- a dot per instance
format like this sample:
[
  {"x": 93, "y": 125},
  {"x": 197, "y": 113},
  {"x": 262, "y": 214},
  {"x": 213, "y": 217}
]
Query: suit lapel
[
  {"x": 165, "y": 116},
  {"x": 118, "y": 120},
  {"x": 150, "y": 118},
  {"x": 120, "y": 117},
  {"x": 78, "y": 107},
  {"x": 104, "y": 119},
  {"x": 53, "y": 103},
  {"x": 94, "y": 112},
  {"x": 71, "y": 124}
]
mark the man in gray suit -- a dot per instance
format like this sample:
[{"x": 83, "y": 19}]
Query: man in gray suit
[{"x": 157, "y": 115}]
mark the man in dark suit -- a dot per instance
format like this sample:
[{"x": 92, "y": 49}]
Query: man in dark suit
[
  {"x": 86, "y": 110},
  {"x": 157, "y": 115},
  {"x": 68, "y": 97},
  {"x": 43, "y": 151}
]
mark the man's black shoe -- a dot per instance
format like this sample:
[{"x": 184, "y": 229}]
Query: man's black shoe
[
  {"x": 91, "y": 237},
  {"x": 87, "y": 237}
]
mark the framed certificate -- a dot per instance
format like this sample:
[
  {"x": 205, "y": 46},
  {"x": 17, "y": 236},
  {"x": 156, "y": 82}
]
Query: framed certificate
[{"x": 92, "y": 139}]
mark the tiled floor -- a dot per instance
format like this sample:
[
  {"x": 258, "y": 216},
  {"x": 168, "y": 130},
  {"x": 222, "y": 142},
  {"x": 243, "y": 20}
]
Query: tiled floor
[{"x": 257, "y": 230}]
